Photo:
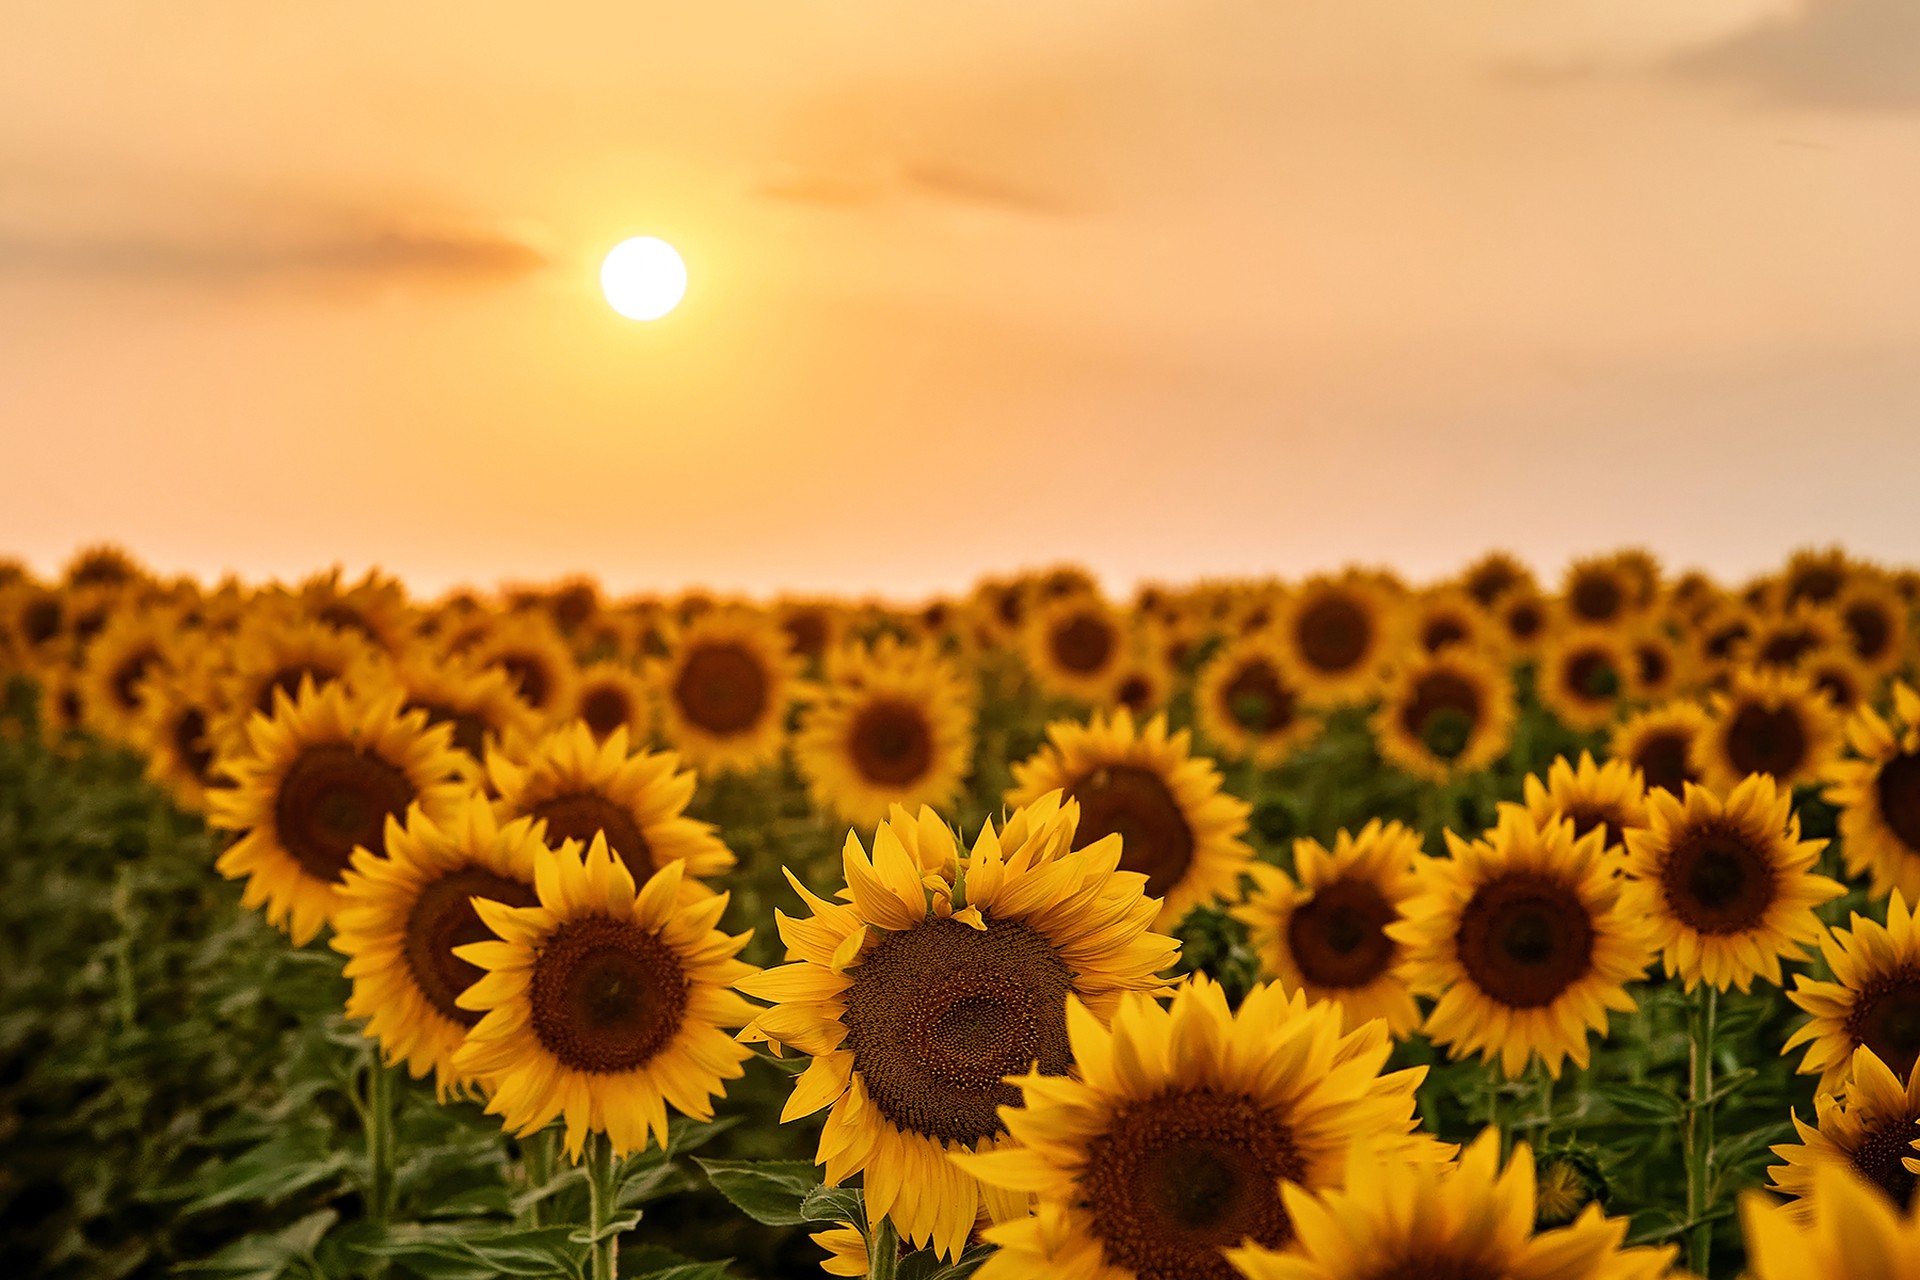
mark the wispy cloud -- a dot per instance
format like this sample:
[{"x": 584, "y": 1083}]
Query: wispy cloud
[
  {"x": 373, "y": 253},
  {"x": 1840, "y": 53}
]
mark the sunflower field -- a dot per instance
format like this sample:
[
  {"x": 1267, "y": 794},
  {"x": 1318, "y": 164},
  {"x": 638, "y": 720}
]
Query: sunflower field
[{"x": 1331, "y": 929}]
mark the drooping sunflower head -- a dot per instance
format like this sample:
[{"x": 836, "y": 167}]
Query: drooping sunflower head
[
  {"x": 937, "y": 974},
  {"x": 1726, "y": 884},
  {"x": 1169, "y": 1145},
  {"x": 1873, "y": 1001},
  {"x": 401, "y": 916},
  {"x": 1446, "y": 715},
  {"x": 1524, "y": 941},
  {"x": 724, "y": 690},
  {"x": 611, "y": 695},
  {"x": 576, "y": 787},
  {"x": 1249, "y": 702},
  {"x": 1869, "y": 1129},
  {"x": 1584, "y": 675},
  {"x": 1658, "y": 743},
  {"x": 1495, "y": 575},
  {"x": 1768, "y": 722},
  {"x": 893, "y": 726},
  {"x": 1075, "y": 645},
  {"x": 1611, "y": 798},
  {"x": 1324, "y": 929},
  {"x": 1466, "y": 1221},
  {"x": 318, "y": 779},
  {"x": 1851, "y": 1232},
  {"x": 1879, "y": 795},
  {"x": 1340, "y": 632},
  {"x": 605, "y": 1003},
  {"x": 1176, "y": 824}
]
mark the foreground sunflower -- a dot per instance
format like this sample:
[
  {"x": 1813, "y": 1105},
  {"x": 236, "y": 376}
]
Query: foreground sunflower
[
  {"x": 894, "y": 726},
  {"x": 1446, "y": 715},
  {"x": 604, "y": 1004},
  {"x": 1247, "y": 702},
  {"x": 1324, "y": 933},
  {"x": 1469, "y": 1221},
  {"x": 1658, "y": 744},
  {"x": 1771, "y": 722},
  {"x": 1169, "y": 1144},
  {"x": 401, "y": 916},
  {"x": 1177, "y": 827},
  {"x": 577, "y": 788},
  {"x": 319, "y": 779},
  {"x": 724, "y": 691},
  {"x": 1852, "y": 1233},
  {"x": 1522, "y": 938},
  {"x": 1873, "y": 1002},
  {"x": 1879, "y": 795},
  {"x": 941, "y": 974},
  {"x": 1871, "y": 1129},
  {"x": 1610, "y": 797},
  {"x": 1726, "y": 885}
]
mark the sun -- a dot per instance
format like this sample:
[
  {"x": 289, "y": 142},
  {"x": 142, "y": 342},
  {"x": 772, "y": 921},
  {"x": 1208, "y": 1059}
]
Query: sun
[{"x": 643, "y": 278}]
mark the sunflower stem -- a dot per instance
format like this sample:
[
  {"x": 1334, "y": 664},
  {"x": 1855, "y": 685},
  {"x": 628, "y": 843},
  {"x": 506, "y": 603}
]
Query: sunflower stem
[
  {"x": 883, "y": 1251},
  {"x": 536, "y": 1157},
  {"x": 1497, "y": 1114},
  {"x": 380, "y": 1146},
  {"x": 1699, "y": 1129},
  {"x": 600, "y": 1196}
]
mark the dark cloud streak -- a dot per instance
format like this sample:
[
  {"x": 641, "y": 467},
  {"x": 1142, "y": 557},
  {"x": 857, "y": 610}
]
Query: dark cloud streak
[
  {"x": 1862, "y": 54},
  {"x": 364, "y": 255}
]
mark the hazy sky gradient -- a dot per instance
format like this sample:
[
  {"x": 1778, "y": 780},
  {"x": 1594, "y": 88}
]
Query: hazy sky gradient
[{"x": 1171, "y": 289}]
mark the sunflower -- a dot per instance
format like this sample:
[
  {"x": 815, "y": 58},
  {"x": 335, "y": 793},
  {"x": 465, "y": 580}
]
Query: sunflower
[
  {"x": 1444, "y": 619},
  {"x": 812, "y": 627},
  {"x": 1525, "y": 619},
  {"x": 173, "y": 733},
  {"x": 1851, "y": 1233},
  {"x": 319, "y": 778},
  {"x": 1818, "y": 575},
  {"x": 1841, "y": 679},
  {"x": 1602, "y": 592},
  {"x": 1446, "y": 715},
  {"x": 1247, "y": 702},
  {"x": 1660, "y": 667},
  {"x": 895, "y": 727},
  {"x": 530, "y": 648},
  {"x": 724, "y": 691},
  {"x": 481, "y": 703},
  {"x": 1870, "y": 1128},
  {"x": 1325, "y": 933},
  {"x": 1461, "y": 1221},
  {"x": 400, "y": 916},
  {"x": 1770, "y": 722},
  {"x": 1658, "y": 743},
  {"x": 374, "y": 608},
  {"x": 1177, "y": 827},
  {"x": 605, "y": 1003},
  {"x": 1002, "y": 604},
  {"x": 1494, "y": 575},
  {"x": 940, "y": 974},
  {"x": 577, "y": 788},
  {"x": 1781, "y": 642},
  {"x": 1727, "y": 886},
  {"x": 1075, "y": 646},
  {"x": 1584, "y": 673},
  {"x": 136, "y": 643},
  {"x": 1611, "y": 797},
  {"x": 1879, "y": 795},
  {"x": 1145, "y": 681},
  {"x": 1720, "y": 640},
  {"x": 1875, "y": 617},
  {"x": 273, "y": 653},
  {"x": 1874, "y": 1001},
  {"x": 1339, "y": 633},
  {"x": 611, "y": 695},
  {"x": 103, "y": 565},
  {"x": 1523, "y": 939},
  {"x": 36, "y": 618},
  {"x": 62, "y": 712},
  {"x": 1169, "y": 1144}
]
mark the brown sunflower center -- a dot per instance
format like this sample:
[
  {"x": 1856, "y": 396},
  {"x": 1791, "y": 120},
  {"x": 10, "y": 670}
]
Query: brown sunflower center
[
  {"x": 1837, "y": 686},
  {"x": 1256, "y": 700},
  {"x": 40, "y": 620},
  {"x": 1762, "y": 741},
  {"x": 1491, "y": 580},
  {"x": 1661, "y": 758},
  {"x": 1870, "y": 628},
  {"x": 1589, "y": 815},
  {"x": 1177, "y": 1178},
  {"x": 469, "y": 728},
  {"x": 1653, "y": 665},
  {"x": 605, "y": 707},
  {"x": 1716, "y": 881},
  {"x": 1526, "y": 620},
  {"x": 190, "y": 742},
  {"x": 1785, "y": 648},
  {"x": 1880, "y": 1158},
  {"x": 1590, "y": 676},
  {"x": 443, "y": 918},
  {"x": 1819, "y": 583},
  {"x": 606, "y": 995},
  {"x": 1135, "y": 804},
  {"x": 1596, "y": 597},
  {"x": 1441, "y": 632},
  {"x": 1081, "y": 644},
  {"x": 1897, "y": 788},
  {"x": 806, "y": 632},
  {"x": 334, "y": 799},
  {"x": 127, "y": 675},
  {"x": 938, "y": 1014},
  {"x": 891, "y": 743},
  {"x": 1135, "y": 694},
  {"x": 1442, "y": 713},
  {"x": 1338, "y": 937},
  {"x": 1524, "y": 939},
  {"x": 532, "y": 674},
  {"x": 581, "y": 815},
  {"x": 722, "y": 688},
  {"x": 287, "y": 680},
  {"x": 1886, "y": 1019},
  {"x": 1334, "y": 633}
]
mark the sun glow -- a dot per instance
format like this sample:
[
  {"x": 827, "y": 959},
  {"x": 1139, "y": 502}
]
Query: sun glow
[{"x": 643, "y": 278}]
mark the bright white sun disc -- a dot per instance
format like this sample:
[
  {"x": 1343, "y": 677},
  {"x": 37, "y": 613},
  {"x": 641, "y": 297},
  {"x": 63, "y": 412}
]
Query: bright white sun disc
[{"x": 643, "y": 278}]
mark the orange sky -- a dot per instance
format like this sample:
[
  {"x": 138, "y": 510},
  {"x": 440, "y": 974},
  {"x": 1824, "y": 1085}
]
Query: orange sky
[{"x": 1171, "y": 289}]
